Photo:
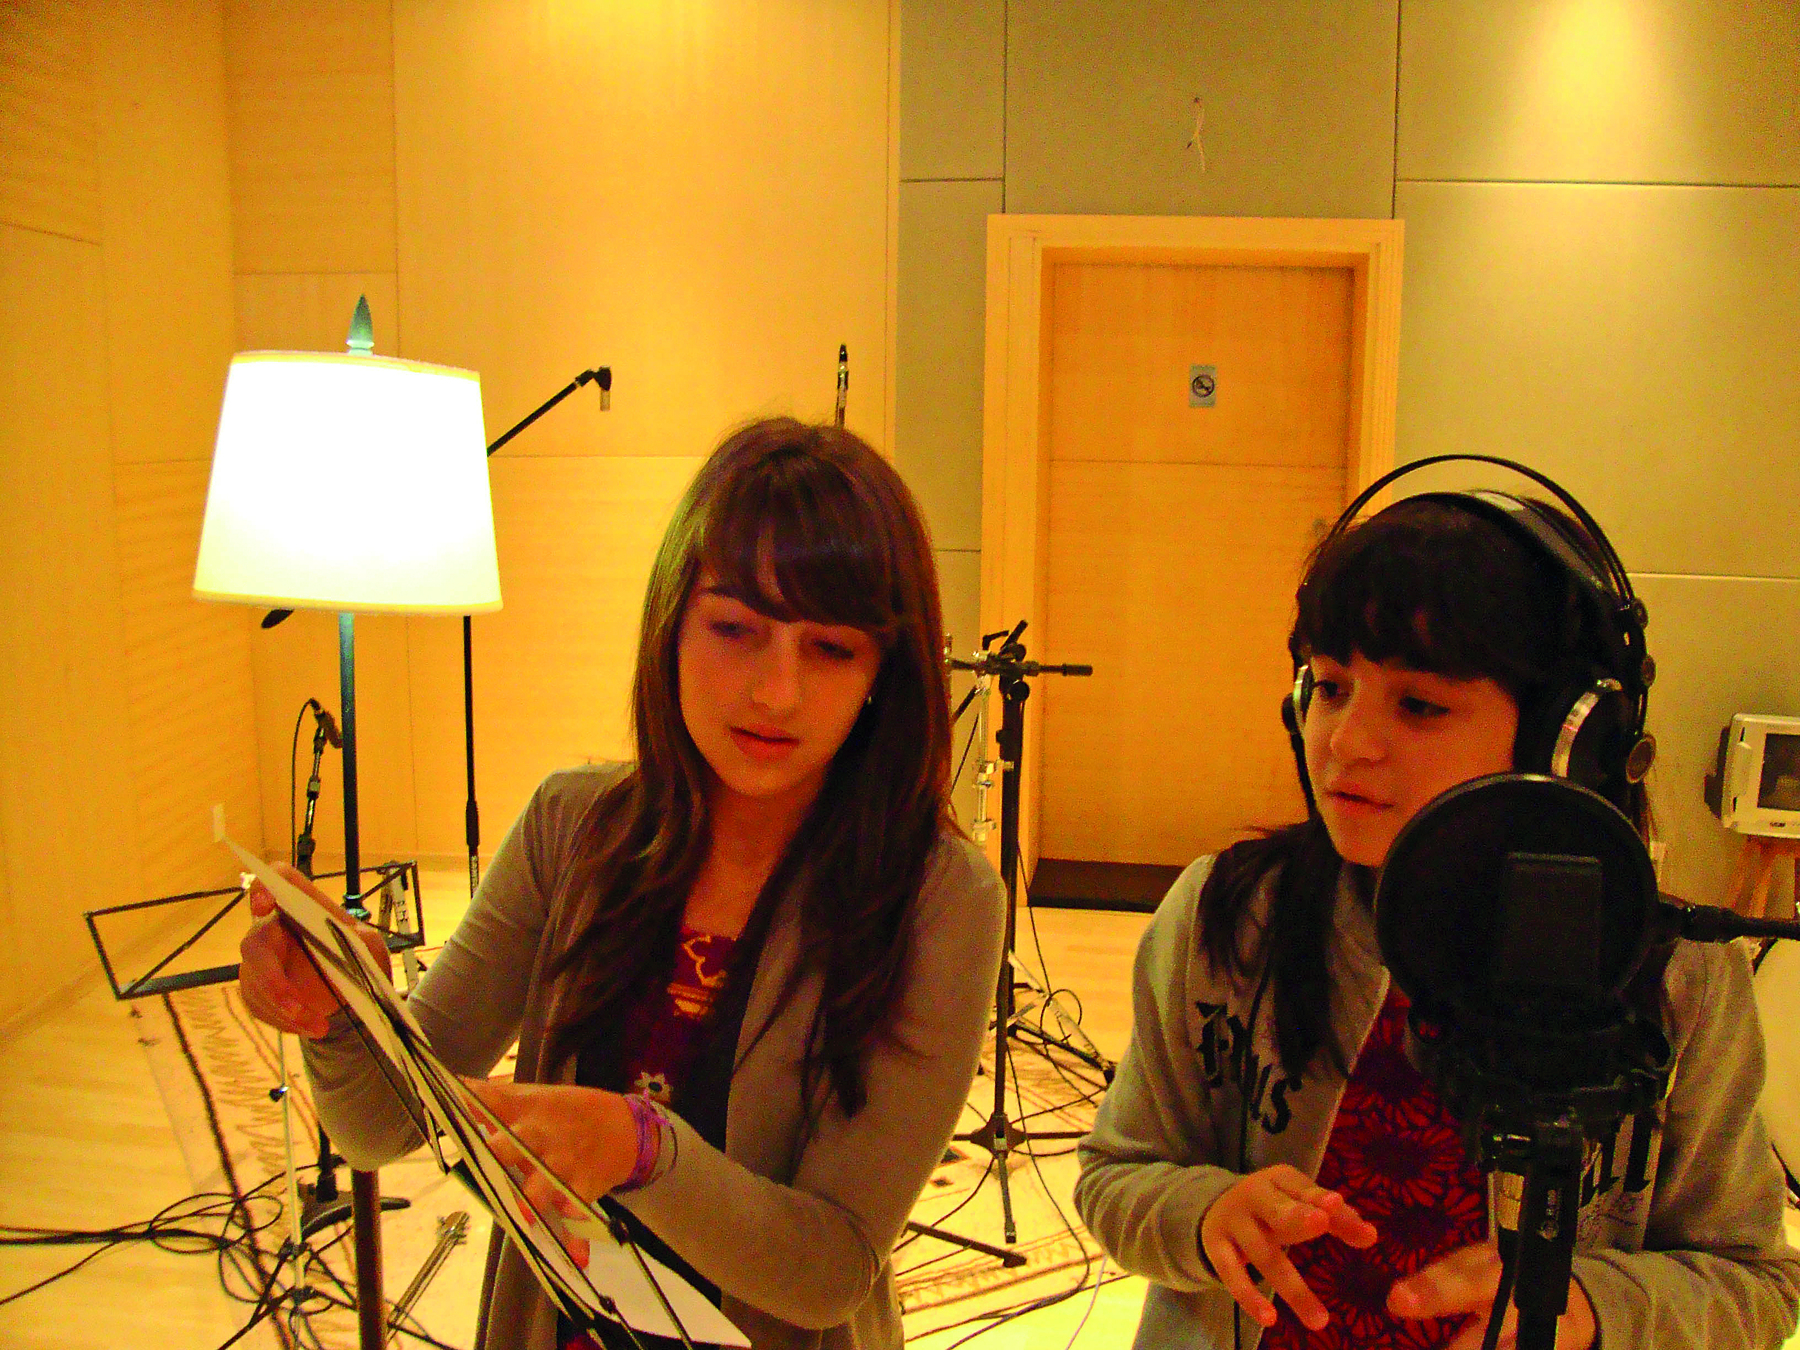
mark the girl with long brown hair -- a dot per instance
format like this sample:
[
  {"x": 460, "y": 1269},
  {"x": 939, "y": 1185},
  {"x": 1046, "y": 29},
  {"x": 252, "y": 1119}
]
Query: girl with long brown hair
[{"x": 749, "y": 972}]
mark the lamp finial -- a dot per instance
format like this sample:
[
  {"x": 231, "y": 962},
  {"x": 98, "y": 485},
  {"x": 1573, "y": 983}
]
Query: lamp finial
[{"x": 362, "y": 329}]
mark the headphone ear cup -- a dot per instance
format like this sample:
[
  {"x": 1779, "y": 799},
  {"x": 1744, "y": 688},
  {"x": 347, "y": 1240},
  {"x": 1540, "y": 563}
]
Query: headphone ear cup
[
  {"x": 1580, "y": 734},
  {"x": 1293, "y": 717}
]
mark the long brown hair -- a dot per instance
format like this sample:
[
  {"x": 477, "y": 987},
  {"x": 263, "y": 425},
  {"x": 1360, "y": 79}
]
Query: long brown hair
[{"x": 847, "y": 545}]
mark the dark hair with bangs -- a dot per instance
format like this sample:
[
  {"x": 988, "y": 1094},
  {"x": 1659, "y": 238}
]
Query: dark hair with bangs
[
  {"x": 832, "y": 521},
  {"x": 1439, "y": 589},
  {"x": 1434, "y": 587}
]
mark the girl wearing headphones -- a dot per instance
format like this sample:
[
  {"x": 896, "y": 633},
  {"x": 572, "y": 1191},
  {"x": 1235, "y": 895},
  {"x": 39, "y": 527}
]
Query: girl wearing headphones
[
  {"x": 1266, "y": 1123},
  {"x": 749, "y": 972}
]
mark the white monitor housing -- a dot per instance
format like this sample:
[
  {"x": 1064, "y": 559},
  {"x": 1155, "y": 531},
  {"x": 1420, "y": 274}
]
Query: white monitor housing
[{"x": 1755, "y": 785}]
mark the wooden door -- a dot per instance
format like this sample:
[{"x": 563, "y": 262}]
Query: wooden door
[{"x": 1175, "y": 537}]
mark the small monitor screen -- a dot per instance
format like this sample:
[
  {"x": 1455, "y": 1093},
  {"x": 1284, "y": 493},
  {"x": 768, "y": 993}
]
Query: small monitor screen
[{"x": 1780, "y": 786}]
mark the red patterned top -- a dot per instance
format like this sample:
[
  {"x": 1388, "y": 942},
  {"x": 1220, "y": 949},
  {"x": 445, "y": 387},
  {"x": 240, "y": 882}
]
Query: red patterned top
[
  {"x": 1396, "y": 1154},
  {"x": 665, "y": 1032}
]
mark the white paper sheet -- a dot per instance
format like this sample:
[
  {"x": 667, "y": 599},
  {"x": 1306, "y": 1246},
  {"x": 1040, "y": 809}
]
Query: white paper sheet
[{"x": 441, "y": 1104}]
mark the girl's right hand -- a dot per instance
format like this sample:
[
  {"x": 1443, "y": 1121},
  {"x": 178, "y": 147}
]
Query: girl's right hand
[
  {"x": 277, "y": 979},
  {"x": 1257, "y": 1220}
]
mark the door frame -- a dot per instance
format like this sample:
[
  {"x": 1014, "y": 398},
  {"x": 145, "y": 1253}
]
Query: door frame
[{"x": 1022, "y": 250}]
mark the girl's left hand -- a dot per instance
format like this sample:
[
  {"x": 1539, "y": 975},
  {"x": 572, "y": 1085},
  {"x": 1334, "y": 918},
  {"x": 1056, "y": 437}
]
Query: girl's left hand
[
  {"x": 586, "y": 1136},
  {"x": 1465, "y": 1282}
]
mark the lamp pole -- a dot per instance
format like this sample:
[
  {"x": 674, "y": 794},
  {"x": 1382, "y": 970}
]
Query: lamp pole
[{"x": 365, "y": 1187}]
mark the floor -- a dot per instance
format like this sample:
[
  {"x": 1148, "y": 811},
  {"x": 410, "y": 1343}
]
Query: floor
[
  {"x": 90, "y": 1137},
  {"x": 87, "y": 1140}
]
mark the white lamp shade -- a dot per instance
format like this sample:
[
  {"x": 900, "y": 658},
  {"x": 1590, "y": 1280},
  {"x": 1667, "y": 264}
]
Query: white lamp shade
[{"x": 349, "y": 482}]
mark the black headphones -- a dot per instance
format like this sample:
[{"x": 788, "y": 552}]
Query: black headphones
[{"x": 1592, "y": 732}]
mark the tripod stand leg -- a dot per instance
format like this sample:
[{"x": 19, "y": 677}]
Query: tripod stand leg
[
  {"x": 1008, "y": 1227},
  {"x": 1006, "y": 1258}
]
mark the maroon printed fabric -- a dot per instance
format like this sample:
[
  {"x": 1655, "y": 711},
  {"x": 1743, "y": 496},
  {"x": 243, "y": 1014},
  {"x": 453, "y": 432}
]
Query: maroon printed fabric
[
  {"x": 1396, "y": 1154},
  {"x": 665, "y": 1032}
]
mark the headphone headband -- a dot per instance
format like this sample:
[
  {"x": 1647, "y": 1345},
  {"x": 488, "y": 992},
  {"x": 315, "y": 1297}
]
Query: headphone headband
[
  {"x": 1620, "y": 582},
  {"x": 1595, "y": 568}
]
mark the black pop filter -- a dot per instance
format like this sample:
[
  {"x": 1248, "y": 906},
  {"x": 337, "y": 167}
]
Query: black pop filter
[
  {"x": 1516, "y": 895},
  {"x": 1513, "y": 910}
]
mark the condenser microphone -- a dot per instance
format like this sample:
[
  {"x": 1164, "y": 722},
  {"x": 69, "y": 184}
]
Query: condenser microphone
[
  {"x": 328, "y": 725},
  {"x": 1514, "y": 910},
  {"x": 1520, "y": 899},
  {"x": 843, "y": 384}
]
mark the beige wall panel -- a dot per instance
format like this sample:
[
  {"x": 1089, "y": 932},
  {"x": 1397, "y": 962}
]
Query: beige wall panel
[
  {"x": 193, "y": 709},
  {"x": 1176, "y": 582},
  {"x": 959, "y": 582},
  {"x": 952, "y": 89},
  {"x": 553, "y": 667},
  {"x": 166, "y": 204},
  {"x": 1723, "y": 645},
  {"x": 1659, "y": 91},
  {"x": 937, "y": 442},
  {"x": 312, "y": 134},
  {"x": 695, "y": 196},
  {"x": 65, "y": 785},
  {"x": 1125, "y": 338},
  {"x": 310, "y": 312},
  {"x": 299, "y": 660},
  {"x": 1641, "y": 345},
  {"x": 49, "y": 119},
  {"x": 1298, "y": 98}
]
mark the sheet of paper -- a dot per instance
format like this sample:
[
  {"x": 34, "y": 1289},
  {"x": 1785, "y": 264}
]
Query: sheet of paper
[{"x": 325, "y": 928}]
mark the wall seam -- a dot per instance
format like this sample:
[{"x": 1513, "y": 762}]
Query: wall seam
[
  {"x": 1005, "y": 91},
  {"x": 53, "y": 234},
  {"x": 1610, "y": 182},
  {"x": 1394, "y": 187},
  {"x": 1736, "y": 577},
  {"x": 326, "y": 272}
]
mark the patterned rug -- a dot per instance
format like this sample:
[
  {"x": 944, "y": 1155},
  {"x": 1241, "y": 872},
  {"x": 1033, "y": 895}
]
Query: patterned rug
[{"x": 217, "y": 1069}]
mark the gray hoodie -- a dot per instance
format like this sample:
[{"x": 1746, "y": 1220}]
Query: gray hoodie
[{"x": 1690, "y": 1253}]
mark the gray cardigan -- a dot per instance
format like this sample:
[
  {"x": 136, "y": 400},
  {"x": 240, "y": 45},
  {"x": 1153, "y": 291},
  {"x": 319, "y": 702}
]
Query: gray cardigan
[
  {"x": 794, "y": 1228},
  {"x": 1691, "y": 1254}
]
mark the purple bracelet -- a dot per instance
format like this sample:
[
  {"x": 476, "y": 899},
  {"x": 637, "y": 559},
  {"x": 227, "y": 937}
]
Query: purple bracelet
[{"x": 649, "y": 1141}]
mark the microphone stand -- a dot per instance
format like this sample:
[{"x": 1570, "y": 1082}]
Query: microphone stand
[
  {"x": 303, "y": 842},
  {"x": 998, "y": 1134},
  {"x": 323, "y": 1205},
  {"x": 601, "y": 376},
  {"x": 1514, "y": 910}
]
